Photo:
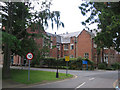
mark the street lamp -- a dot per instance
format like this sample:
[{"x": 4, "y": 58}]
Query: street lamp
[{"x": 57, "y": 75}]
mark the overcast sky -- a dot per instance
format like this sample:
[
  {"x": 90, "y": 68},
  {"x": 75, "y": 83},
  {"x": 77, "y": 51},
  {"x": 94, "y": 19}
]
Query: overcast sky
[{"x": 70, "y": 15}]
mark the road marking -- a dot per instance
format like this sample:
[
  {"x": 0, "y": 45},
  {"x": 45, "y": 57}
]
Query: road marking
[
  {"x": 91, "y": 78},
  {"x": 80, "y": 85}
]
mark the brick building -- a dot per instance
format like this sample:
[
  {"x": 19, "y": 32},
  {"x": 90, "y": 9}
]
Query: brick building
[
  {"x": 81, "y": 44},
  {"x": 76, "y": 44}
]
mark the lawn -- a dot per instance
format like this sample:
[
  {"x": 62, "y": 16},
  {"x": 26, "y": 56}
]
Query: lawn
[{"x": 21, "y": 76}]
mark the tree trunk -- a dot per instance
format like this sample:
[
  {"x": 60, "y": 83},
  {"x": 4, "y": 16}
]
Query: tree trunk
[
  {"x": 98, "y": 59},
  {"x": 6, "y": 62},
  {"x": 98, "y": 56},
  {"x": 102, "y": 55}
]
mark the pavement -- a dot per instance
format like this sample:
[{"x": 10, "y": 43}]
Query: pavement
[{"x": 82, "y": 79}]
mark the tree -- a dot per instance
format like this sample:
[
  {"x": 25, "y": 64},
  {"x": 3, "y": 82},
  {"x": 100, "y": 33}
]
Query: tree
[
  {"x": 108, "y": 17},
  {"x": 14, "y": 31},
  {"x": 15, "y": 37}
]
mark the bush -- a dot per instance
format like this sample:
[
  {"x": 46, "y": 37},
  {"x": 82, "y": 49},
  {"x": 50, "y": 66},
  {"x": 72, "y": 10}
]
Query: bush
[
  {"x": 75, "y": 63},
  {"x": 109, "y": 68},
  {"x": 115, "y": 66},
  {"x": 50, "y": 62},
  {"x": 73, "y": 59},
  {"x": 61, "y": 62},
  {"x": 102, "y": 66},
  {"x": 91, "y": 63}
]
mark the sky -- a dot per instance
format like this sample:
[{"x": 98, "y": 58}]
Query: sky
[{"x": 70, "y": 15}]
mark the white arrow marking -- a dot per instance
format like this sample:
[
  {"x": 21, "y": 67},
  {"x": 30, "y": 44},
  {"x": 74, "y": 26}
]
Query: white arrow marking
[
  {"x": 81, "y": 85},
  {"x": 91, "y": 78}
]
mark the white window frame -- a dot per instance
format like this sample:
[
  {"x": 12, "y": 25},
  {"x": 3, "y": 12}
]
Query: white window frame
[
  {"x": 51, "y": 44},
  {"x": 86, "y": 55},
  {"x": 106, "y": 58},
  {"x": 66, "y": 48},
  {"x": 71, "y": 46}
]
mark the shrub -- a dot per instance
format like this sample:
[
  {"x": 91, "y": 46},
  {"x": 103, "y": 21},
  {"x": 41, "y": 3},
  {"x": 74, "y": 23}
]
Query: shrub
[
  {"x": 61, "y": 62},
  {"x": 91, "y": 63},
  {"x": 115, "y": 66},
  {"x": 109, "y": 68},
  {"x": 102, "y": 66},
  {"x": 50, "y": 61},
  {"x": 75, "y": 63},
  {"x": 73, "y": 59}
]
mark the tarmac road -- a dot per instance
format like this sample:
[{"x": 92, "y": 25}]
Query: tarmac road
[{"x": 83, "y": 79}]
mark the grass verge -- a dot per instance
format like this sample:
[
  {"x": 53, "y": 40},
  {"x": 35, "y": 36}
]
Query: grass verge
[{"x": 21, "y": 76}]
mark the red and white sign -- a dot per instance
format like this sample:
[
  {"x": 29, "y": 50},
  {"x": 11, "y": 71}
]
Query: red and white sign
[{"x": 29, "y": 56}]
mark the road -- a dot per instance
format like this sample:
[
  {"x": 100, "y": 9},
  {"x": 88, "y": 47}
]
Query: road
[{"x": 84, "y": 79}]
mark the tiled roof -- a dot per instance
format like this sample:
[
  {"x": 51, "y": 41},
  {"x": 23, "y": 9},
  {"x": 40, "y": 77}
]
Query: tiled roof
[
  {"x": 65, "y": 38},
  {"x": 58, "y": 38},
  {"x": 70, "y": 34}
]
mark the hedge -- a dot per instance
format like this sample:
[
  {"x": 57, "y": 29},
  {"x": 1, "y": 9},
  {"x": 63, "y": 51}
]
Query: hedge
[
  {"x": 74, "y": 63},
  {"x": 102, "y": 66},
  {"x": 116, "y": 66},
  {"x": 50, "y": 62}
]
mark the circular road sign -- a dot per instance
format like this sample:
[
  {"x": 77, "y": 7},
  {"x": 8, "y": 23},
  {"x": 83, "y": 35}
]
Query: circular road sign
[{"x": 29, "y": 56}]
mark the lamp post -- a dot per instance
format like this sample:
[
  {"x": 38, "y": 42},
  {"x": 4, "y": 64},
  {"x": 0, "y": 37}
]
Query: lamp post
[{"x": 57, "y": 74}]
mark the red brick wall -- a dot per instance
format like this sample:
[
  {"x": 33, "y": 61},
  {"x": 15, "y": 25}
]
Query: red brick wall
[
  {"x": 53, "y": 51},
  {"x": 63, "y": 52},
  {"x": 111, "y": 55},
  {"x": 84, "y": 44},
  {"x": 39, "y": 40},
  {"x": 16, "y": 60},
  {"x": 72, "y": 51},
  {"x": 118, "y": 58}
]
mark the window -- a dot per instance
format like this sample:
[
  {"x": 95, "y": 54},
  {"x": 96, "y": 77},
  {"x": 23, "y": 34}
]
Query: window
[
  {"x": 71, "y": 46},
  {"x": 106, "y": 58},
  {"x": 66, "y": 47},
  {"x": 51, "y": 45},
  {"x": 58, "y": 47},
  {"x": 86, "y": 55},
  {"x": 95, "y": 46}
]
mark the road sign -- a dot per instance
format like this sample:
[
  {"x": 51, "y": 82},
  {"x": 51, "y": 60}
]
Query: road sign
[
  {"x": 29, "y": 56},
  {"x": 67, "y": 58},
  {"x": 84, "y": 62}
]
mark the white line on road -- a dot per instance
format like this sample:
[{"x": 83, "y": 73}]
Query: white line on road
[
  {"x": 80, "y": 85},
  {"x": 91, "y": 78}
]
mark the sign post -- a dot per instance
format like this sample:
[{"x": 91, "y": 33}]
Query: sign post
[
  {"x": 29, "y": 71},
  {"x": 67, "y": 59},
  {"x": 29, "y": 56},
  {"x": 84, "y": 62}
]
